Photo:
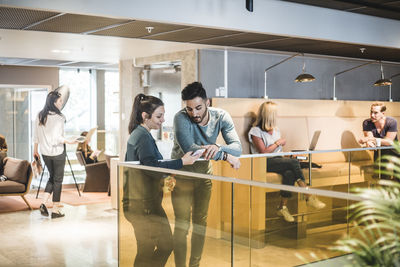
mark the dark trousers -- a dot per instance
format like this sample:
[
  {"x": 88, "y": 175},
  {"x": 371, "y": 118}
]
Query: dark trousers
[
  {"x": 153, "y": 235},
  {"x": 290, "y": 170},
  {"x": 190, "y": 196},
  {"x": 386, "y": 174},
  {"x": 55, "y": 165}
]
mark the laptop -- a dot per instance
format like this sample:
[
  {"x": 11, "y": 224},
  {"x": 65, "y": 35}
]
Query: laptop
[{"x": 313, "y": 143}]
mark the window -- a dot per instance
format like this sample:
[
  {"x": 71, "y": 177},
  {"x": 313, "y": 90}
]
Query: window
[{"x": 112, "y": 111}]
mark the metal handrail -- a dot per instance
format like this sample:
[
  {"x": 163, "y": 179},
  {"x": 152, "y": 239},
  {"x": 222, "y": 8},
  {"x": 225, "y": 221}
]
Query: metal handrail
[{"x": 318, "y": 192}]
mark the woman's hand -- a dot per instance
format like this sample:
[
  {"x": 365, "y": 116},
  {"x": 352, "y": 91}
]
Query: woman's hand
[
  {"x": 35, "y": 151},
  {"x": 189, "y": 159},
  {"x": 36, "y": 155},
  {"x": 71, "y": 142},
  {"x": 280, "y": 142},
  {"x": 169, "y": 183}
]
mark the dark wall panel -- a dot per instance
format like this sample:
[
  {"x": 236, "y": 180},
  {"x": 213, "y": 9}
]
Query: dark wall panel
[
  {"x": 246, "y": 77},
  {"x": 211, "y": 70}
]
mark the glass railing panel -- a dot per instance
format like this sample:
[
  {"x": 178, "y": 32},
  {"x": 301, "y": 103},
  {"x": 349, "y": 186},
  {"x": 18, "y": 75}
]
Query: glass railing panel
[
  {"x": 243, "y": 225},
  {"x": 204, "y": 233},
  {"x": 305, "y": 239}
]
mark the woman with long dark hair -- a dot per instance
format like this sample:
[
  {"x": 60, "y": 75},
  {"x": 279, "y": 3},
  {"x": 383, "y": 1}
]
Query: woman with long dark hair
[
  {"x": 49, "y": 135},
  {"x": 143, "y": 189}
]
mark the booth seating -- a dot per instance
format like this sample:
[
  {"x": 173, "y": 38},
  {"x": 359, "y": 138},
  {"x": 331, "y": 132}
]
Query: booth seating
[
  {"x": 19, "y": 178},
  {"x": 340, "y": 123},
  {"x": 97, "y": 175}
]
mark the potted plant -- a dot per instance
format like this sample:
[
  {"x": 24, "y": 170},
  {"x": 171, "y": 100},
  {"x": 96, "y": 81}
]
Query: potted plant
[{"x": 376, "y": 219}]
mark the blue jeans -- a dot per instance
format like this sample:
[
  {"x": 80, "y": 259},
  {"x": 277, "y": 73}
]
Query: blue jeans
[
  {"x": 290, "y": 170},
  {"x": 191, "y": 196}
]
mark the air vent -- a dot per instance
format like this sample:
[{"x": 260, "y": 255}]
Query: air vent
[
  {"x": 18, "y": 18},
  {"x": 75, "y": 23}
]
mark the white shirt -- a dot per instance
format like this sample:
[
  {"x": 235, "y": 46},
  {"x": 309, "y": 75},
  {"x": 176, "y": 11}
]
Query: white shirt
[
  {"x": 50, "y": 137},
  {"x": 267, "y": 138}
]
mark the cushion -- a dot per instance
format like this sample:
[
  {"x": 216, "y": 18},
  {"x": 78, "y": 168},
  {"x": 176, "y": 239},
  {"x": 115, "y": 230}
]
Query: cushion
[
  {"x": 17, "y": 170},
  {"x": 9, "y": 187}
]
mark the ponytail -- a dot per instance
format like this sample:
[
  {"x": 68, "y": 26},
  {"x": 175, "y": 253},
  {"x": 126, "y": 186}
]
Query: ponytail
[{"x": 142, "y": 103}]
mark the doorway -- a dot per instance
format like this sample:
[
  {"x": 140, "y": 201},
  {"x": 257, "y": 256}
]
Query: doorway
[{"x": 19, "y": 106}]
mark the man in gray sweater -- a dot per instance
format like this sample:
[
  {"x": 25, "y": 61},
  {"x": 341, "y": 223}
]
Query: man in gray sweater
[{"x": 197, "y": 126}]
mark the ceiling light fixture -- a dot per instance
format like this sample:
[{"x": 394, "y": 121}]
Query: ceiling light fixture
[
  {"x": 341, "y": 72},
  {"x": 304, "y": 77},
  {"x": 61, "y": 51},
  {"x": 249, "y": 5},
  {"x": 390, "y": 87},
  {"x": 382, "y": 81}
]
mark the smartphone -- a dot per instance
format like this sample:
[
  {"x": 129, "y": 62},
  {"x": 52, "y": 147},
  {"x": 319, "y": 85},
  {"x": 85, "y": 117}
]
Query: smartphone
[{"x": 198, "y": 152}]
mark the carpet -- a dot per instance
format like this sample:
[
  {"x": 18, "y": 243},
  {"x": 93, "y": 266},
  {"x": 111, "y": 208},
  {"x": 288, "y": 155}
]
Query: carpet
[{"x": 70, "y": 197}]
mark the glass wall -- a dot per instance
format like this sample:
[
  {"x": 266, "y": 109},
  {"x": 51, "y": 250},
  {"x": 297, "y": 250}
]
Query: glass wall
[
  {"x": 18, "y": 110},
  {"x": 112, "y": 111},
  {"x": 236, "y": 212},
  {"x": 80, "y": 112}
]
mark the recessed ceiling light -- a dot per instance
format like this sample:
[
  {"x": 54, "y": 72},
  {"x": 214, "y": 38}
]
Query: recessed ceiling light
[
  {"x": 61, "y": 51},
  {"x": 149, "y": 28}
]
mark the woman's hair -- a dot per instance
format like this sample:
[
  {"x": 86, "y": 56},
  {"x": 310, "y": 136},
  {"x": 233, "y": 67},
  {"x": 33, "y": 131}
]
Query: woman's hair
[
  {"x": 3, "y": 143},
  {"x": 143, "y": 103},
  {"x": 52, "y": 97},
  {"x": 84, "y": 133},
  {"x": 266, "y": 117}
]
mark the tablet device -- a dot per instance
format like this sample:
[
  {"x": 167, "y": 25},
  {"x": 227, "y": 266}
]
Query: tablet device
[{"x": 81, "y": 139}]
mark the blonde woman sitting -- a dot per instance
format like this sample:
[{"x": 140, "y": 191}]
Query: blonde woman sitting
[{"x": 265, "y": 137}]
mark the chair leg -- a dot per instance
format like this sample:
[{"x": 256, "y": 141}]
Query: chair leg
[{"x": 27, "y": 203}]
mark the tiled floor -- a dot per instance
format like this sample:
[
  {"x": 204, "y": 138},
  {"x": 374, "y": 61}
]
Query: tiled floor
[{"x": 86, "y": 236}]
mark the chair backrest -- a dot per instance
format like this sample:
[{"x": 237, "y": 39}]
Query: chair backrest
[
  {"x": 108, "y": 159},
  {"x": 80, "y": 158}
]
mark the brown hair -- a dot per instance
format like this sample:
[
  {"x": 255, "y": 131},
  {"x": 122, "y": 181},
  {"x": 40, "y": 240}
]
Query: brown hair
[
  {"x": 142, "y": 103},
  {"x": 379, "y": 104},
  {"x": 3, "y": 143}
]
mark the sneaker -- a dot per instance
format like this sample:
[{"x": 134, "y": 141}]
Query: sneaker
[
  {"x": 57, "y": 214},
  {"x": 284, "y": 212},
  {"x": 43, "y": 210},
  {"x": 315, "y": 203}
]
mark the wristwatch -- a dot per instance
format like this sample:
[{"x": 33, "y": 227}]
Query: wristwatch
[{"x": 219, "y": 147}]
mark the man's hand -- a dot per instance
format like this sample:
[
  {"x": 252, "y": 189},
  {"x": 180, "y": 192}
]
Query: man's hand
[
  {"x": 370, "y": 142},
  {"x": 234, "y": 161},
  {"x": 211, "y": 151}
]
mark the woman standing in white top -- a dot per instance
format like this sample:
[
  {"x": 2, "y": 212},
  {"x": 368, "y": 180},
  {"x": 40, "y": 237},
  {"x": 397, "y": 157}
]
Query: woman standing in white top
[
  {"x": 49, "y": 135},
  {"x": 265, "y": 137}
]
